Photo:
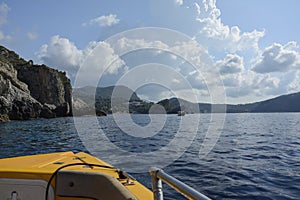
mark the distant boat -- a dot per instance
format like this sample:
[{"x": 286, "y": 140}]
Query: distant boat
[{"x": 181, "y": 113}]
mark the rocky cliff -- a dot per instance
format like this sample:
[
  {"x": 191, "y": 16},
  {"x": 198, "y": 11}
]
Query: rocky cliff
[{"x": 31, "y": 91}]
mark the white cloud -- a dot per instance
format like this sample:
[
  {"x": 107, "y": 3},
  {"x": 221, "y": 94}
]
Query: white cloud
[
  {"x": 104, "y": 21},
  {"x": 32, "y": 35},
  {"x": 238, "y": 92},
  {"x": 4, "y": 9},
  {"x": 294, "y": 85},
  {"x": 239, "y": 86},
  {"x": 101, "y": 61},
  {"x": 204, "y": 22},
  {"x": 278, "y": 58},
  {"x": 238, "y": 81},
  {"x": 179, "y": 2},
  {"x": 190, "y": 51},
  {"x": 266, "y": 85},
  {"x": 62, "y": 54},
  {"x": 175, "y": 81},
  {"x": 185, "y": 51},
  {"x": 233, "y": 80},
  {"x": 266, "y": 82},
  {"x": 197, "y": 81},
  {"x": 125, "y": 44},
  {"x": 231, "y": 64},
  {"x": 215, "y": 35},
  {"x": 244, "y": 79},
  {"x": 104, "y": 56},
  {"x": 247, "y": 86},
  {"x": 198, "y": 8}
]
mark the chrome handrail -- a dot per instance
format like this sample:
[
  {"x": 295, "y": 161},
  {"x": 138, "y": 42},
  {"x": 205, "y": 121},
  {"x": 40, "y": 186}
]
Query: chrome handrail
[{"x": 158, "y": 175}]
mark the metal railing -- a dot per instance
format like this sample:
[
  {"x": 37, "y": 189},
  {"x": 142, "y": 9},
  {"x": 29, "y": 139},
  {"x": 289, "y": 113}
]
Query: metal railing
[{"x": 158, "y": 175}]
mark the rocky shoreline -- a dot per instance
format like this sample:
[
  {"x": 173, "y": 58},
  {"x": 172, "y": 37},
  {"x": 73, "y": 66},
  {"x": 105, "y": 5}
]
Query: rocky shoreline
[{"x": 30, "y": 91}]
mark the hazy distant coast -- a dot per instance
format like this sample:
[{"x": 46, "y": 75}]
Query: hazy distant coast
[
  {"x": 37, "y": 91},
  {"x": 85, "y": 98}
]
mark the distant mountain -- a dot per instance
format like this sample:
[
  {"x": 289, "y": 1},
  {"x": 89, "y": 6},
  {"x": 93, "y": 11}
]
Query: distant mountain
[
  {"x": 105, "y": 92},
  {"x": 173, "y": 105},
  {"x": 85, "y": 102},
  {"x": 89, "y": 99},
  {"x": 284, "y": 103}
]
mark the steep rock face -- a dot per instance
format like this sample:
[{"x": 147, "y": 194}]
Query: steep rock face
[
  {"x": 15, "y": 100},
  {"x": 48, "y": 86},
  {"x": 31, "y": 91}
]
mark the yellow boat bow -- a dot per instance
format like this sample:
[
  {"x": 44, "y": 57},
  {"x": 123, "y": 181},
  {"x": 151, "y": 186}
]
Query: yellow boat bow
[
  {"x": 69, "y": 176},
  {"x": 64, "y": 176}
]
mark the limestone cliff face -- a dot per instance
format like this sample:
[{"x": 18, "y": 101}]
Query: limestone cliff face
[
  {"x": 15, "y": 100},
  {"x": 48, "y": 86},
  {"x": 31, "y": 91}
]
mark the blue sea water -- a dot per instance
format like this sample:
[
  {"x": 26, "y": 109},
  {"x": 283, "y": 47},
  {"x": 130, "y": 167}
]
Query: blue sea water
[{"x": 256, "y": 156}]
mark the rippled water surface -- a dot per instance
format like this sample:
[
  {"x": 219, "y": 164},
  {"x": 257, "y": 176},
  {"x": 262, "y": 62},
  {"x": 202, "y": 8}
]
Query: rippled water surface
[{"x": 257, "y": 156}]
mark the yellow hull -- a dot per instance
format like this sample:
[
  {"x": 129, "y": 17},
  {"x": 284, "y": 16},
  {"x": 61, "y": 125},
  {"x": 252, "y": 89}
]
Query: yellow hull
[{"x": 39, "y": 169}]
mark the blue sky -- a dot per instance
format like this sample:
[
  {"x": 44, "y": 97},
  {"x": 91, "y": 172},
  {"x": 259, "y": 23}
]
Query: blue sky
[{"x": 252, "y": 45}]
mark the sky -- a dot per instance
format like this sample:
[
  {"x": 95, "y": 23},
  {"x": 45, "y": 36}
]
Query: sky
[{"x": 232, "y": 51}]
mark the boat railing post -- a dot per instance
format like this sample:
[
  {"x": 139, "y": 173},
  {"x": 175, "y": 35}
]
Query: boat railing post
[
  {"x": 158, "y": 175},
  {"x": 156, "y": 184}
]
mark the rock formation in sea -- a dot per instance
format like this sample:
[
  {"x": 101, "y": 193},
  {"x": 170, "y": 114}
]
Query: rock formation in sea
[{"x": 31, "y": 91}]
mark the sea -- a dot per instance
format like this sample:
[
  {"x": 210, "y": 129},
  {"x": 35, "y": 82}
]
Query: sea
[{"x": 224, "y": 156}]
